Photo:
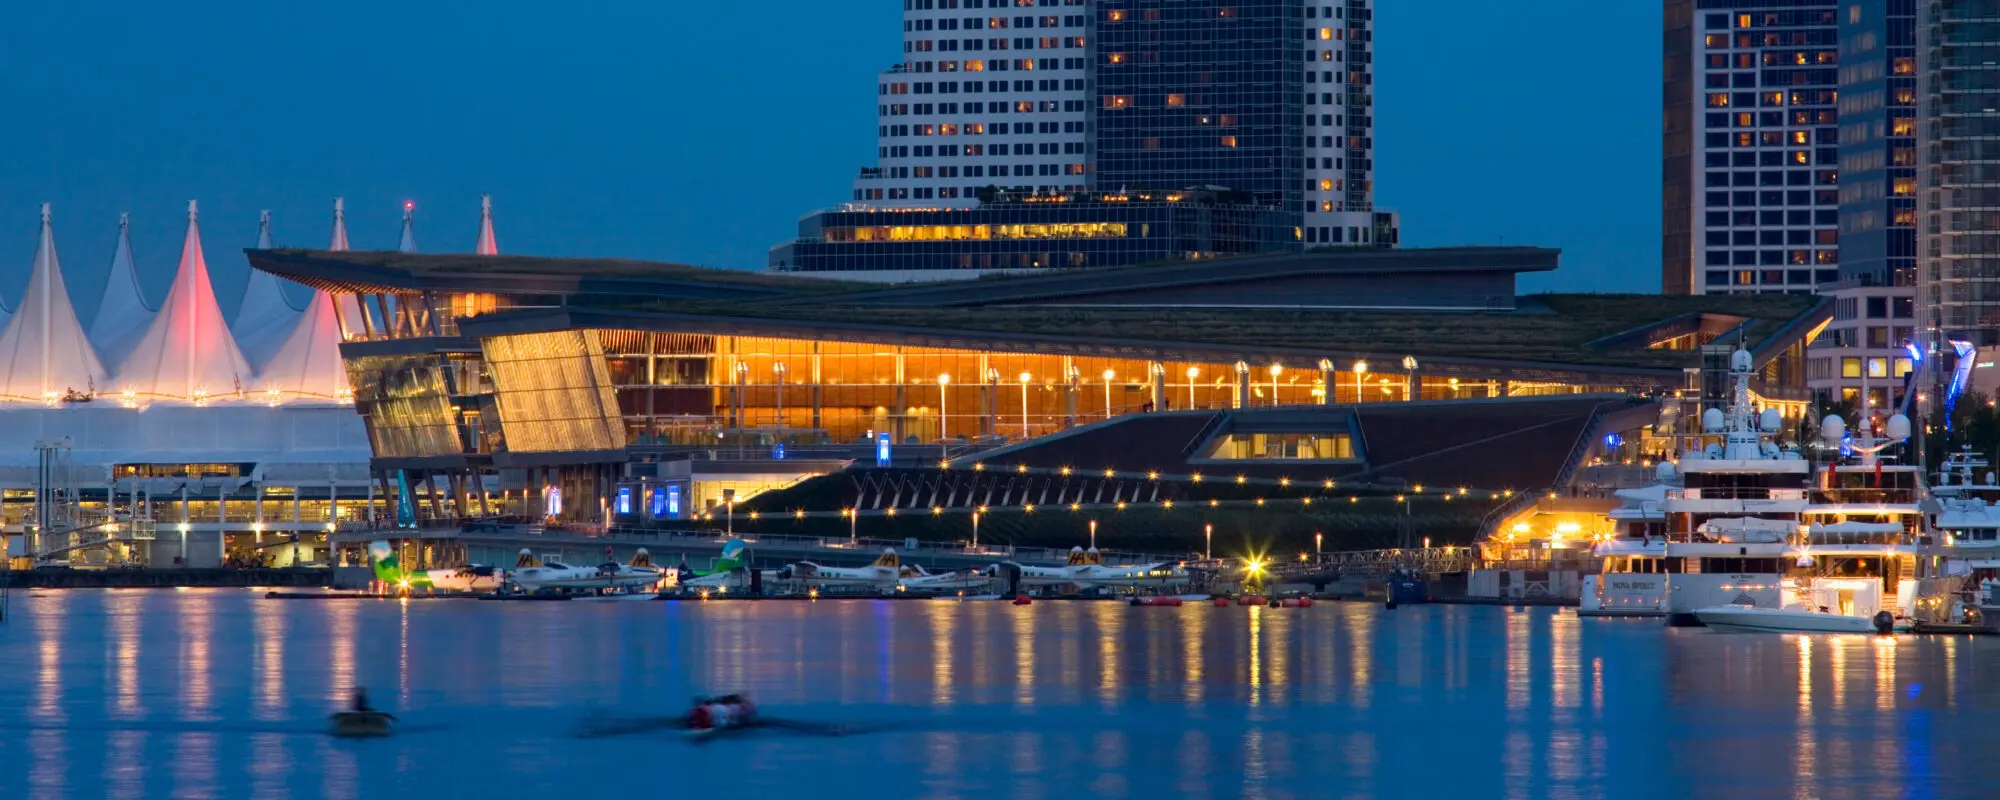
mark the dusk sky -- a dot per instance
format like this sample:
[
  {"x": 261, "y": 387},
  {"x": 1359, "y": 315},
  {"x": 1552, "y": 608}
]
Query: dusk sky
[{"x": 700, "y": 132}]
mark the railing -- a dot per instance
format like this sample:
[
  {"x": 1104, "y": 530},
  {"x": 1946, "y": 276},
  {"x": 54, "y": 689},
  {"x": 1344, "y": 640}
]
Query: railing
[
  {"x": 1736, "y": 493},
  {"x": 1872, "y": 497}
]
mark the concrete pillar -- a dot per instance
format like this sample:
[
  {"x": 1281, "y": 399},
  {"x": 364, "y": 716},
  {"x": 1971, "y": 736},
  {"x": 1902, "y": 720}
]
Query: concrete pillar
[
  {"x": 1328, "y": 378},
  {"x": 817, "y": 422},
  {"x": 989, "y": 398},
  {"x": 1158, "y": 373},
  {"x": 1242, "y": 394}
]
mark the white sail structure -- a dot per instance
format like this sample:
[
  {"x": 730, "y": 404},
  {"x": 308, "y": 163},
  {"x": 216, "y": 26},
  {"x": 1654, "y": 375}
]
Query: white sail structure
[
  {"x": 488, "y": 246},
  {"x": 187, "y": 354},
  {"x": 122, "y": 313},
  {"x": 408, "y": 244},
  {"x": 264, "y": 316},
  {"x": 307, "y": 366},
  {"x": 351, "y": 310},
  {"x": 44, "y": 355}
]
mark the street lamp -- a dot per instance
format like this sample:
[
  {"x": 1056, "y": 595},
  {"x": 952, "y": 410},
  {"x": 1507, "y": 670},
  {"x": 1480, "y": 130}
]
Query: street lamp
[
  {"x": 1109, "y": 376},
  {"x": 1192, "y": 373},
  {"x": 1318, "y": 539},
  {"x": 1208, "y": 542},
  {"x": 975, "y": 529},
  {"x": 944, "y": 411},
  {"x": 1276, "y": 370},
  {"x": 778, "y": 369},
  {"x": 853, "y": 521},
  {"x": 1093, "y": 534},
  {"x": 1360, "y": 370},
  {"x": 1025, "y": 378},
  {"x": 1410, "y": 388}
]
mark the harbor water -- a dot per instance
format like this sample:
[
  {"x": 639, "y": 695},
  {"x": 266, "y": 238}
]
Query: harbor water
[{"x": 222, "y": 693}]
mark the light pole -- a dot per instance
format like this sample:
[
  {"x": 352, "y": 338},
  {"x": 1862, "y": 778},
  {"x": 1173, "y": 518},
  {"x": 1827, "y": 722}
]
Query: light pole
[
  {"x": 1192, "y": 373},
  {"x": 944, "y": 410},
  {"x": 1276, "y": 370},
  {"x": 1410, "y": 388},
  {"x": 1093, "y": 534},
  {"x": 729, "y": 517},
  {"x": 853, "y": 523},
  {"x": 975, "y": 529},
  {"x": 1318, "y": 539},
  {"x": 1208, "y": 542},
  {"x": 778, "y": 369},
  {"x": 1360, "y": 373},
  {"x": 742, "y": 407},
  {"x": 1109, "y": 376},
  {"x": 1025, "y": 377}
]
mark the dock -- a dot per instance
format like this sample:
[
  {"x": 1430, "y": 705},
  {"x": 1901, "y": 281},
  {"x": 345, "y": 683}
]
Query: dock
[{"x": 166, "y": 578}]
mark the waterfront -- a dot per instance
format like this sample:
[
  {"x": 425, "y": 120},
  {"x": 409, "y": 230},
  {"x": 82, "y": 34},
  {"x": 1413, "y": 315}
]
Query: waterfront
[{"x": 221, "y": 693}]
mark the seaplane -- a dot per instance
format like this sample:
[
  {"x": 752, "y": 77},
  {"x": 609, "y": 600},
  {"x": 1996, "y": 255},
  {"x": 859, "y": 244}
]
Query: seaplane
[
  {"x": 885, "y": 573},
  {"x": 724, "y": 575},
  {"x": 534, "y": 576},
  {"x": 1086, "y": 568},
  {"x": 469, "y": 578},
  {"x": 916, "y": 579}
]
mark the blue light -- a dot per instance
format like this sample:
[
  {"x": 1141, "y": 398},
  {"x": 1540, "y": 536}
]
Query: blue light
[
  {"x": 674, "y": 501},
  {"x": 659, "y": 502},
  {"x": 1614, "y": 440},
  {"x": 624, "y": 499},
  {"x": 882, "y": 449},
  {"x": 1916, "y": 356}
]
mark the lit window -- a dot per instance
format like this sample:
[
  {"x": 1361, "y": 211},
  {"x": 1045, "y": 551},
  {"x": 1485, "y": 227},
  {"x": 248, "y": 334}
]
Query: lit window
[
  {"x": 1326, "y": 184},
  {"x": 1877, "y": 368},
  {"x": 1850, "y": 368},
  {"x": 1176, "y": 100},
  {"x": 1116, "y": 58},
  {"x": 1116, "y": 15},
  {"x": 1116, "y": 101},
  {"x": 1228, "y": 141},
  {"x": 1718, "y": 100},
  {"x": 1325, "y": 33}
]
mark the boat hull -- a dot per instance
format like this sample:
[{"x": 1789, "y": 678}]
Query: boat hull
[{"x": 1782, "y": 620}]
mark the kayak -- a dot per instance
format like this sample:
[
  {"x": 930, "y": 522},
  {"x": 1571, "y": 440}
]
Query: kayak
[
  {"x": 362, "y": 724},
  {"x": 705, "y": 734}
]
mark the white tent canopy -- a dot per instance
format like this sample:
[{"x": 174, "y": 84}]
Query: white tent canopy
[
  {"x": 488, "y": 246},
  {"x": 122, "y": 312},
  {"x": 308, "y": 364},
  {"x": 44, "y": 354},
  {"x": 264, "y": 316},
  {"x": 187, "y": 353}
]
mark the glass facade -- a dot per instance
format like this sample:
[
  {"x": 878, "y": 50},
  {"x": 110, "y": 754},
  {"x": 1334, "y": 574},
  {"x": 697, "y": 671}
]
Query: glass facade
[
  {"x": 1196, "y": 94},
  {"x": 1959, "y": 136},
  {"x": 1878, "y": 147},
  {"x": 1025, "y": 231}
]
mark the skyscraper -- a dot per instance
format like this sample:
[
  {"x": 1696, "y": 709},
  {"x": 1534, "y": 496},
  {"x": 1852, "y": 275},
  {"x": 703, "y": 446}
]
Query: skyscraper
[
  {"x": 1958, "y": 200},
  {"x": 1259, "y": 103},
  {"x": 1272, "y": 97},
  {"x": 988, "y": 93},
  {"x": 1864, "y": 347},
  {"x": 1751, "y": 142}
]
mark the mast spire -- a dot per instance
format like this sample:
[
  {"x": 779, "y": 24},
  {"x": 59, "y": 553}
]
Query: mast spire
[
  {"x": 408, "y": 244},
  {"x": 339, "y": 225}
]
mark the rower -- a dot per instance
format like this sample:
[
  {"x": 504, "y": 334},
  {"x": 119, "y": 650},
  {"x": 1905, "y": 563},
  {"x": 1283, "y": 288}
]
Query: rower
[
  {"x": 360, "y": 701},
  {"x": 726, "y": 711}
]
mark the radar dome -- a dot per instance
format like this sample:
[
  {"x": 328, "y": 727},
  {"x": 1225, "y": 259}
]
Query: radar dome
[
  {"x": 1770, "y": 420},
  {"x": 1833, "y": 429},
  {"x": 1665, "y": 471},
  {"x": 1712, "y": 420},
  {"x": 1898, "y": 427},
  {"x": 1739, "y": 361},
  {"x": 1769, "y": 450},
  {"x": 1712, "y": 451}
]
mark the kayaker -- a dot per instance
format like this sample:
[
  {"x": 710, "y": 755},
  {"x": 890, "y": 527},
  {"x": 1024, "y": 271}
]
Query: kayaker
[
  {"x": 726, "y": 711},
  {"x": 360, "y": 701}
]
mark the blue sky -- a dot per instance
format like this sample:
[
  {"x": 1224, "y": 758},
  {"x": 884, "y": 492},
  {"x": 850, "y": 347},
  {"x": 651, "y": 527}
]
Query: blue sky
[{"x": 700, "y": 132}]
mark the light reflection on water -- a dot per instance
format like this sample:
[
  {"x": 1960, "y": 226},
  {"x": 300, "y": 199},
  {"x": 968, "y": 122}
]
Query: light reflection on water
[{"x": 224, "y": 694}]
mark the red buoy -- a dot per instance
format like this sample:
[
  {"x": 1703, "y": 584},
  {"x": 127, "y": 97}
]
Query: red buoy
[
  {"x": 1161, "y": 601},
  {"x": 1305, "y": 602},
  {"x": 1222, "y": 602},
  {"x": 1022, "y": 600}
]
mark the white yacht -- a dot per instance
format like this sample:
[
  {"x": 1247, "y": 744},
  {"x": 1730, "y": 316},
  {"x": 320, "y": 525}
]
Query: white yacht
[
  {"x": 1730, "y": 521},
  {"x": 1632, "y": 581},
  {"x": 1967, "y": 525}
]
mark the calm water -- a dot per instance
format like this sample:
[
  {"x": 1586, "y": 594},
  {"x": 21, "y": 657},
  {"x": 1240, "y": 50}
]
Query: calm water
[{"x": 223, "y": 694}]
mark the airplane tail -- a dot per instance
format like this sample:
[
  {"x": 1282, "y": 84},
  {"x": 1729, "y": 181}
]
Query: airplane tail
[
  {"x": 1092, "y": 557},
  {"x": 732, "y": 555},
  {"x": 1077, "y": 558},
  {"x": 888, "y": 559},
  {"x": 526, "y": 560},
  {"x": 382, "y": 556},
  {"x": 641, "y": 559}
]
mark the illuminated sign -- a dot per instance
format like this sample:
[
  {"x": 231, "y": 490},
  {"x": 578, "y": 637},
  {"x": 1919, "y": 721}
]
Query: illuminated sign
[
  {"x": 674, "y": 501},
  {"x": 659, "y": 502},
  {"x": 882, "y": 449},
  {"x": 624, "y": 499}
]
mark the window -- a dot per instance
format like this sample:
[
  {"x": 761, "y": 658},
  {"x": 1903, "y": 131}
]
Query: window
[
  {"x": 1280, "y": 446},
  {"x": 1850, "y": 367}
]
